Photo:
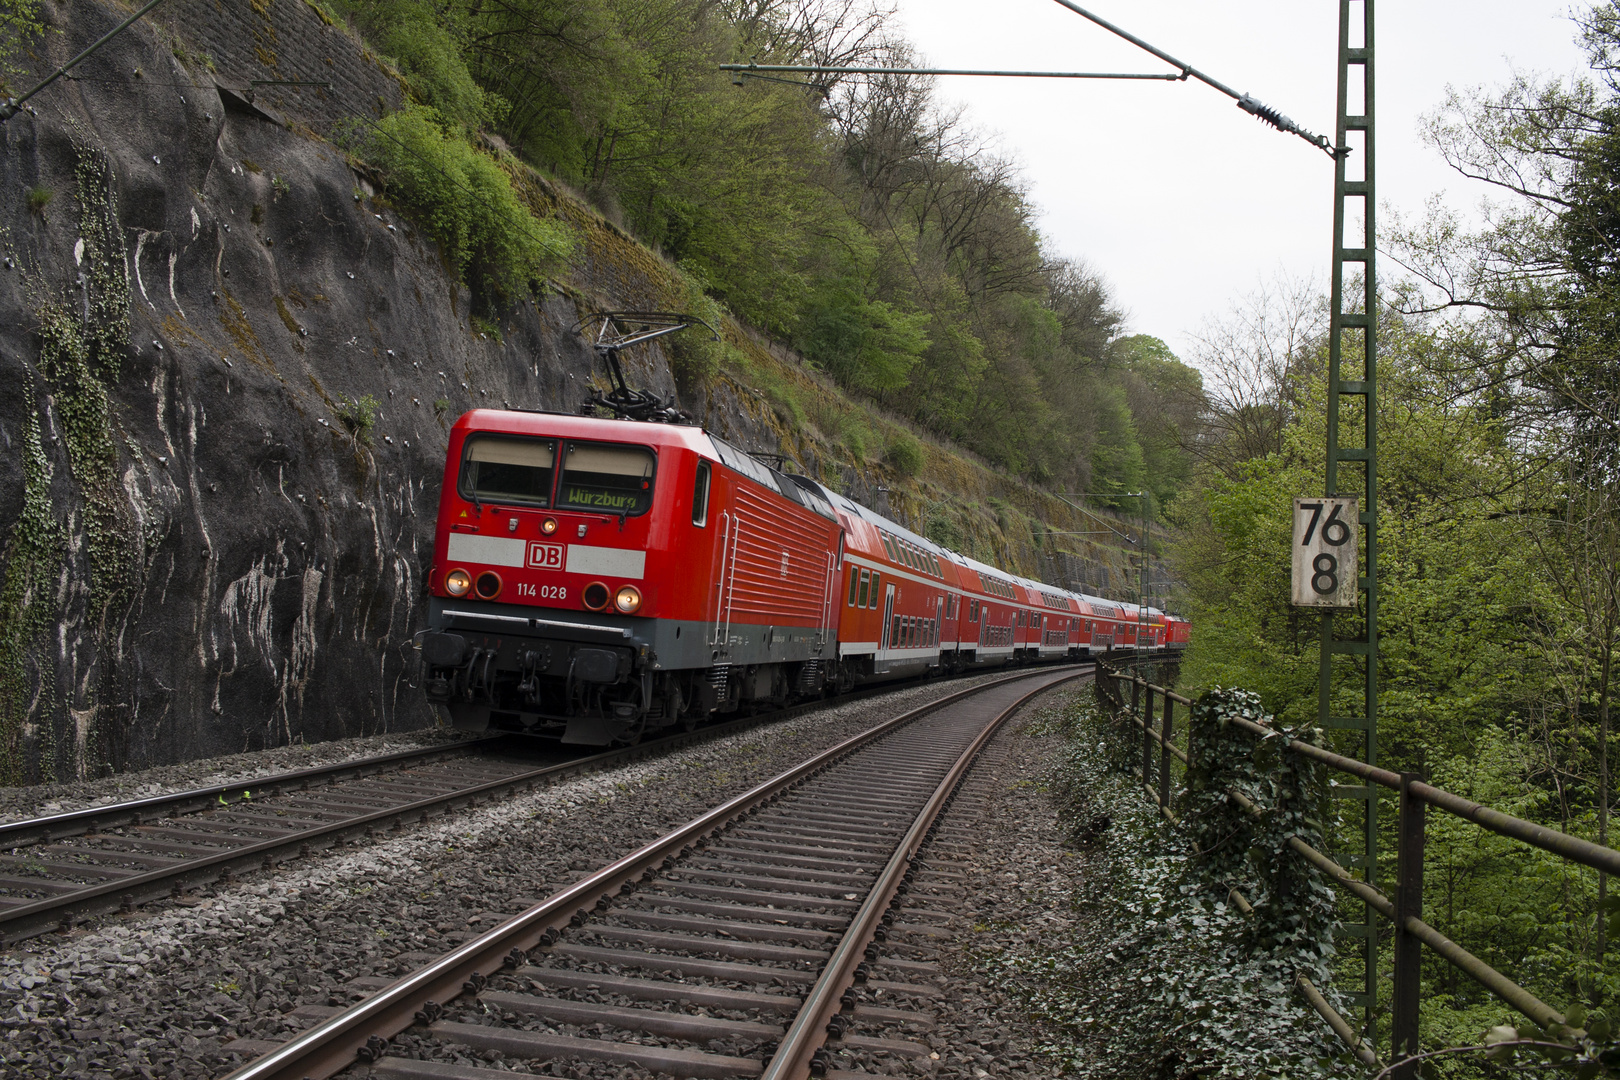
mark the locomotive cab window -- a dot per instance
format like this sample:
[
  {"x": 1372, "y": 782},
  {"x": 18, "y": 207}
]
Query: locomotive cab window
[
  {"x": 700, "y": 495},
  {"x": 608, "y": 478},
  {"x": 504, "y": 470}
]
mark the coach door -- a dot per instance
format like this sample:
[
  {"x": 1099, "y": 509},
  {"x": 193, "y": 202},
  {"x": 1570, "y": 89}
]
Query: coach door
[{"x": 886, "y": 642}]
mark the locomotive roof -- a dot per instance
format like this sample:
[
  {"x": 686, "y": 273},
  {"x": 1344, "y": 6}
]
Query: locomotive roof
[
  {"x": 574, "y": 426},
  {"x": 681, "y": 436}
]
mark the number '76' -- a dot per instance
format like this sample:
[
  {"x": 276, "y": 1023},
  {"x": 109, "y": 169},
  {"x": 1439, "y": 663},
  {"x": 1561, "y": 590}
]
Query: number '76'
[{"x": 1334, "y": 531}]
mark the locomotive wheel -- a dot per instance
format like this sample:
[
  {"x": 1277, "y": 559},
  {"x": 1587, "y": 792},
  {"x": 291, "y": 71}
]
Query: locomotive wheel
[{"x": 633, "y": 736}]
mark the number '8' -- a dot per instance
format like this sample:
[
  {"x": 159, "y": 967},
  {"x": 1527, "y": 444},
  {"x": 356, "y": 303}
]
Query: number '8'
[{"x": 1327, "y": 570}]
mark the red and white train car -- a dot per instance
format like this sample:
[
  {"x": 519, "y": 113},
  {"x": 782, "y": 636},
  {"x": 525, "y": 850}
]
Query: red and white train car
[{"x": 594, "y": 579}]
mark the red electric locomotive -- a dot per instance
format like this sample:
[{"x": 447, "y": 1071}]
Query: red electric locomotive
[{"x": 596, "y": 579}]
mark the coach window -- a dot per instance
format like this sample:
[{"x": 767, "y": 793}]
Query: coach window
[
  {"x": 700, "y": 495},
  {"x": 608, "y": 478},
  {"x": 866, "y": 576},
  {"x": 854, "y": 584},
  {"x": 876, "y": 578},
  {"x": 508, "y": 470}
]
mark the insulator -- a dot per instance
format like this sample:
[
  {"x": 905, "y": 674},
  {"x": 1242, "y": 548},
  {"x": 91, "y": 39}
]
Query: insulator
[{"x": 1265, "y": 112}]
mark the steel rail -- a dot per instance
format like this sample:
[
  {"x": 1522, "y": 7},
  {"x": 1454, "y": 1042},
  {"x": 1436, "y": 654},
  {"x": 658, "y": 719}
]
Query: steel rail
[
  {"x": 808, "y": 1031},
  {"x": 53, "y": 912},
  {"x": 44, "y": 830},
  {"x": 334, "y": 1044}
]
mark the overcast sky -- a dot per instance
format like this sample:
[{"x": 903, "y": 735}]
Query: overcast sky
[{"x": 1178, "y": 198}]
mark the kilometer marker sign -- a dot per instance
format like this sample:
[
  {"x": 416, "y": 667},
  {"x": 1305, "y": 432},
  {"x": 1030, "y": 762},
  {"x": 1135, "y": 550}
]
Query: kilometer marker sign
[{"x": 1325, "y": 563}]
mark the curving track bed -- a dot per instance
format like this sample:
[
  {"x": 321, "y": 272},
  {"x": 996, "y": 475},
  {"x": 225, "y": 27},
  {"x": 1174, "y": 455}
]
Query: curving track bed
[
  {"x": 752, "y": 941},
  {"x": 60, "y": 871}
]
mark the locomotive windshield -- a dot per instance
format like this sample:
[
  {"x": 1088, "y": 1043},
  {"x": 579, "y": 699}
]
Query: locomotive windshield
[
  {"x": 509, "y": 470},
  {"x": 607, "y": 478}
]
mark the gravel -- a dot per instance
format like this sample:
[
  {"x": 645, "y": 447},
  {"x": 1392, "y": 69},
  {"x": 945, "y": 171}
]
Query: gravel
[
  {"x": 1020, "y": 876},
  {"x": 158, "y": 993}
]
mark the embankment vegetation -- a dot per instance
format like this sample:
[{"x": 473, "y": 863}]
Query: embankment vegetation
[
  {"x": 856, "y": 219},
  {"x": 1499, "y": 527}
]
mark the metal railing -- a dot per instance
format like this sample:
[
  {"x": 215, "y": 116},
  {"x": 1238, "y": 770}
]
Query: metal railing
[{"x": 1405, "y": 909}]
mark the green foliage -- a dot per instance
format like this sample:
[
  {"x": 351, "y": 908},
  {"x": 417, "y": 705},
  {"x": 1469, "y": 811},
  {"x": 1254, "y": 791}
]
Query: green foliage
[
  {"x": 1170, "y": 396},
  {"x": 358, "y": 415},
  {"x": 695, "y": 354},
  {"x": 864, "y": 224},
  {"x": 1468, "y": 575},
  {"x": 1294, "y": 906},
  {"x": 39, "y": 197},
  {"x": 463, "y": 199},
  {"x": 1116, "y": 460},
  {"x": 1156, "y": 948},
  {"x": 20, "y": 25},
  {"x": 81, "y": 346},
  {"x": 865, "y": 344},
  {"x": 427, "y": 42},
  {"x": 33, "y": 557},
  {"x": 904, "y": 454}
]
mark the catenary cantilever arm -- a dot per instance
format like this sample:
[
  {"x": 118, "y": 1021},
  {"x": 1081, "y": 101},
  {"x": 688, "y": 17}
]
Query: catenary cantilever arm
[{"x": 1245, "y": 102}]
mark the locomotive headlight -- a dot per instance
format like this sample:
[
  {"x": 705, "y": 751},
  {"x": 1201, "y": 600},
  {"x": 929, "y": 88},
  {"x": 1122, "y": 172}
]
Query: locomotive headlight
[
  {"x": 548, "y": 526},
  {"x": 627, "y": 600},
  {"x": 458, "y": 583}
]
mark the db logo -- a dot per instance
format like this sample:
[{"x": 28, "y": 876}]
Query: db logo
[{"x": 546, "y": 556}]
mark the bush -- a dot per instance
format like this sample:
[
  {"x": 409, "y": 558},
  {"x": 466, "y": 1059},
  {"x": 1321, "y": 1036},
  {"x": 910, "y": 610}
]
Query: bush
[
  {"x": 426, "y": 44},
  {"x": 865, "y": 344},
  {"x": 358, "y": 414},
  {"x": 39, "y": 198},
  {"x": 694, "y": 354},
  {"x": 463, "y": 199},
  {"x": 904, "y": 455}
]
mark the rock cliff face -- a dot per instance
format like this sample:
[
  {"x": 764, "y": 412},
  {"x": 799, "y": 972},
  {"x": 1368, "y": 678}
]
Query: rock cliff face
[{"x": 213, "y": 550}]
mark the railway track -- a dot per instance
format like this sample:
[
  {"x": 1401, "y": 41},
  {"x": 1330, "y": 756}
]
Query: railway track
[
  {"x": 60, "y": 871},
  {"x": 769, "y": 937}
]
